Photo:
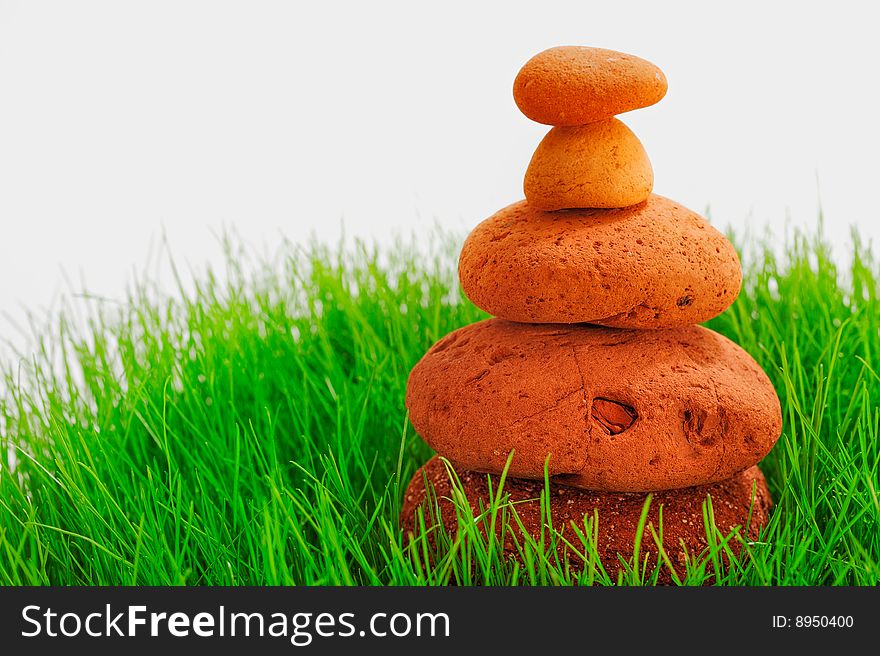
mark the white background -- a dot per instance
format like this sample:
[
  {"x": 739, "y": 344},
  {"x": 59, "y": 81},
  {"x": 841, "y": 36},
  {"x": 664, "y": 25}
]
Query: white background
[{"x": 119, "y": 120}]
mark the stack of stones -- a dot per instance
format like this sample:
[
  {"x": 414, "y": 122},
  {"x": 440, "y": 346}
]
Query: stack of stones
[{"x": 594, "y": 366}]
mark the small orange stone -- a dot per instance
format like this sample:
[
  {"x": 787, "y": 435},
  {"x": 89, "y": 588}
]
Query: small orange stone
[
  {"x": 576, "y": 85},
  {"x": 600, "y": 164}
]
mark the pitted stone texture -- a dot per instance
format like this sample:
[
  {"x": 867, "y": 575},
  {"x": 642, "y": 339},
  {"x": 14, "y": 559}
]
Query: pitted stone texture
[
  {"x": 575, "y": 85},
  {"x": 742, "y": 500},
  {"x": 652, "y": 265},
  {"x": 597, "y": 165},
  {"x": 615, "y": 410}
]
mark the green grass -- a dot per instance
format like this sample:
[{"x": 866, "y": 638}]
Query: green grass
[{"x": 255, "y": 433}]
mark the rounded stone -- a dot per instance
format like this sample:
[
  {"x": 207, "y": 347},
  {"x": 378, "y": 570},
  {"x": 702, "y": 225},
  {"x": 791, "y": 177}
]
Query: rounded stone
[
  {"x": 652, "y": 265},
  {"x": 605, "y": 409},
  {"x": 740, "y": 503},
  {"x": 601, "y": 164},
  {"x": 575, "y": 85}
]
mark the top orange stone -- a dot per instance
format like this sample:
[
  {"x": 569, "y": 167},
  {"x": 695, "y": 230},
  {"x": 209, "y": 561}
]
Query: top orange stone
[{"x": 576, "y": 85}]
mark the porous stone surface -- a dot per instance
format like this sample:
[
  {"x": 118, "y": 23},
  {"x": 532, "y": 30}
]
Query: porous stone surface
[
  {"x": 742, "y": 500},
  {"x": 652, "y": 265},
  {"x": 575, "y": 85},
  {"x": 602, "y": 165},
  {"x": 607, "y": 409}
]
